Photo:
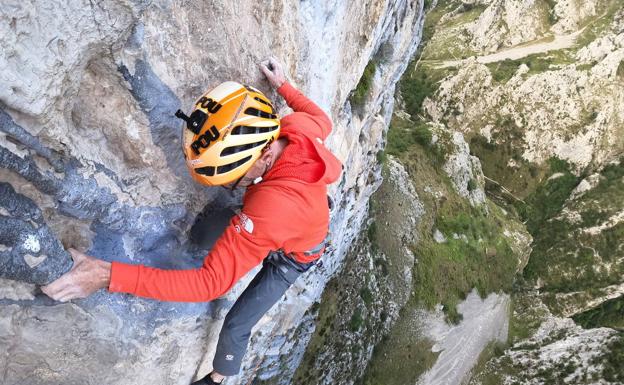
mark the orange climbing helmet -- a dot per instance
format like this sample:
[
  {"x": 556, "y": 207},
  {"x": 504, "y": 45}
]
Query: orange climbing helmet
[{"x": 226, "y": 132}]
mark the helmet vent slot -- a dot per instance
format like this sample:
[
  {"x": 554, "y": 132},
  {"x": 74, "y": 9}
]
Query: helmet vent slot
[
  {"x": 208, "y": 170},
  {"x": 244, "y": 130},
  {"x": 243, "y": 147},
  {"x": 259, "y": 113},
  {"x": 229, "y": 167},
  {"x": 263, "y": 101}
]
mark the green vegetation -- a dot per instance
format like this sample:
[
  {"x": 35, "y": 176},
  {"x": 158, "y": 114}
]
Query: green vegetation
[
  {"x": 596, "y": 26},
  {"x": 565, "y": 257},
  {"x": 451, "y": 44},
  {"x": 504, "y": 70},
  {"x": 359, "y": 299},
  {"x": 476, "y": 254},
  {"x": 484, "y": 376},
  {"x": 371, "y": 232},
  {"x": 366, "y": 81},
  {"x": 381, "y": 156},
  {"x": 527, "y": 315},
  {"x": 356, "y": 321},
  {"x": 608, "y": 314},
  {"x": 552, "y": 17},
  {"x": 447, "y": 271},
  {"x": 326, "y": 322},
  {"x": 620, "y": 71},
  {"x": 613, "y": 369},
  {"x": 548, "y": 198},
  {"x": 585, "y": 67},
  {"x": 418, "y": 85},
  {"x": 400, "y": 358},
  {"x": 495, "y": 155},
  {"x": 404, "y": 134},
  {"x": 366, "y": 295},
  {"x": 433, "y": 17},
  {"x": 472, "y": 185}
]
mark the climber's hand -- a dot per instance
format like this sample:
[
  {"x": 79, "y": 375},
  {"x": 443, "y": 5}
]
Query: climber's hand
[
  {"x": 86, "y": 277},
  {"x": 274, "y": 72}
]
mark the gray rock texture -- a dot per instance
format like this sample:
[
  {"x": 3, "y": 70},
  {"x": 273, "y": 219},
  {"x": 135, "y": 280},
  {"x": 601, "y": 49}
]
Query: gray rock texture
[{"x": 90, "y": 158}]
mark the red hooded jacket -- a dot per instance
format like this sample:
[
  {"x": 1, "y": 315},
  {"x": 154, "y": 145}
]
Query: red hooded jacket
[{"x": 288, "y": 210}]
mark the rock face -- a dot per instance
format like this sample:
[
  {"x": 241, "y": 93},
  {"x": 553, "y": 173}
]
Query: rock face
[
  {"x": 557, "y": 350},
  {"x": 362, "y": 302},
  {"x": 90, "y": 158}
]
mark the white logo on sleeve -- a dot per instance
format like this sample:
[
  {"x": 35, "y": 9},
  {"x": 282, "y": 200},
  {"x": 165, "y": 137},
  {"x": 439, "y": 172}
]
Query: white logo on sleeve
[
  {"x": 247, "y": 223},
  {"x": 229, "y": 357}
]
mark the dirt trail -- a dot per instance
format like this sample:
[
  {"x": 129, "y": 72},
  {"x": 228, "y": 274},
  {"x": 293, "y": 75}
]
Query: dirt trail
[{"x": 540, "y": 46}]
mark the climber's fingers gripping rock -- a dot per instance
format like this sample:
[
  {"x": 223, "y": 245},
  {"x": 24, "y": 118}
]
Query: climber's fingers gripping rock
[
  {"x": 274, "y": 72},
  {"x": 88, "y": 275}
]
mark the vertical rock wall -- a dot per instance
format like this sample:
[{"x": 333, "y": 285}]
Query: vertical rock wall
[{"x": 89, "y": 157}]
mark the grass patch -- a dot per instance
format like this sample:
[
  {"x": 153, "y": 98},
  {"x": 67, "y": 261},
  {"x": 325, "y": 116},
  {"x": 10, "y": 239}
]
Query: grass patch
[
  {"x": 484, "y": 376},
  {"x": 506, "y": 146},
  {"x": 585, "y": 67},
  {"x": 620, "y": 71},
  {"x": 401, "y": 357},
  {"x": 416, "y": 86},
  {"x": 360, "y": 94},
  {"x": 504, "y": 70},
  {"x": 613, "y": 369},
  {"x": 548, "y": 199},
  {"x": 371, "y": 233},
  {"x": 433, "y": 17},
  {"x": 326, "y": 321},
  {"x": 475, "y": 255},
  {"x": 403, "y": 135},
  {"x": 366, "y": 295},
  {"x": 381, "y": 157},
  {"x": 356, "y": 321}
]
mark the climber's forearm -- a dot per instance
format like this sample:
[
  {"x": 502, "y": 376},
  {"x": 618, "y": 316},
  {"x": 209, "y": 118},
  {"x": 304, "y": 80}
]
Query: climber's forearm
[
  {"x": 193, "y": 285},
  {"x": 301, "y": 103}
]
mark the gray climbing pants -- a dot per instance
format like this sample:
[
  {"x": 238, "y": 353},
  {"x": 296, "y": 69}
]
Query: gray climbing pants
[{"x": 278, "y": 272}]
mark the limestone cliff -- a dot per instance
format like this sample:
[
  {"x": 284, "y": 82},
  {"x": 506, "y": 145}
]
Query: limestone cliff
[{"x": 90, "y": 157}]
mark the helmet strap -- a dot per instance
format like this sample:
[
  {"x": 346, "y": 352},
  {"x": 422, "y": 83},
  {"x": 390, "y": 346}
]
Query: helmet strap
[{"x": 236, "y": 183}]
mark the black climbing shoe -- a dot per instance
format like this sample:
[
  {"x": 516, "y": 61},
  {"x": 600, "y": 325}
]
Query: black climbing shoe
[{"x": 205, "y": 381}]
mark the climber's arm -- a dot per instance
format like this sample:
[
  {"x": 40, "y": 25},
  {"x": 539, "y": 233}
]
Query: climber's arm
[
  {"x": 300, "y": 103},
  {"x": 234, "y": 254},
  {"x": 274, "y": 72}
]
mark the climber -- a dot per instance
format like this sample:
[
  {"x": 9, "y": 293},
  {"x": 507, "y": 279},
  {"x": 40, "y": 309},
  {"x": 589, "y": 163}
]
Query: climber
[{"x": 233, "y": 138}]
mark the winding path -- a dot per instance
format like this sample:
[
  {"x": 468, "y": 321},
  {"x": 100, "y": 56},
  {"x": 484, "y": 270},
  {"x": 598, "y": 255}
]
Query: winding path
[{"x": 552, "y": 43}]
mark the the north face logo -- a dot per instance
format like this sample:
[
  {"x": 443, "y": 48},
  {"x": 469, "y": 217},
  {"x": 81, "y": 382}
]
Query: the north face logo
[{"x": 247, "y": 223}]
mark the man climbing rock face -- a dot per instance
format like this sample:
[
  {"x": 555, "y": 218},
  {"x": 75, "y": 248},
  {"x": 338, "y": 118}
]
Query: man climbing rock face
[{"x": 233, "y": 138}]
